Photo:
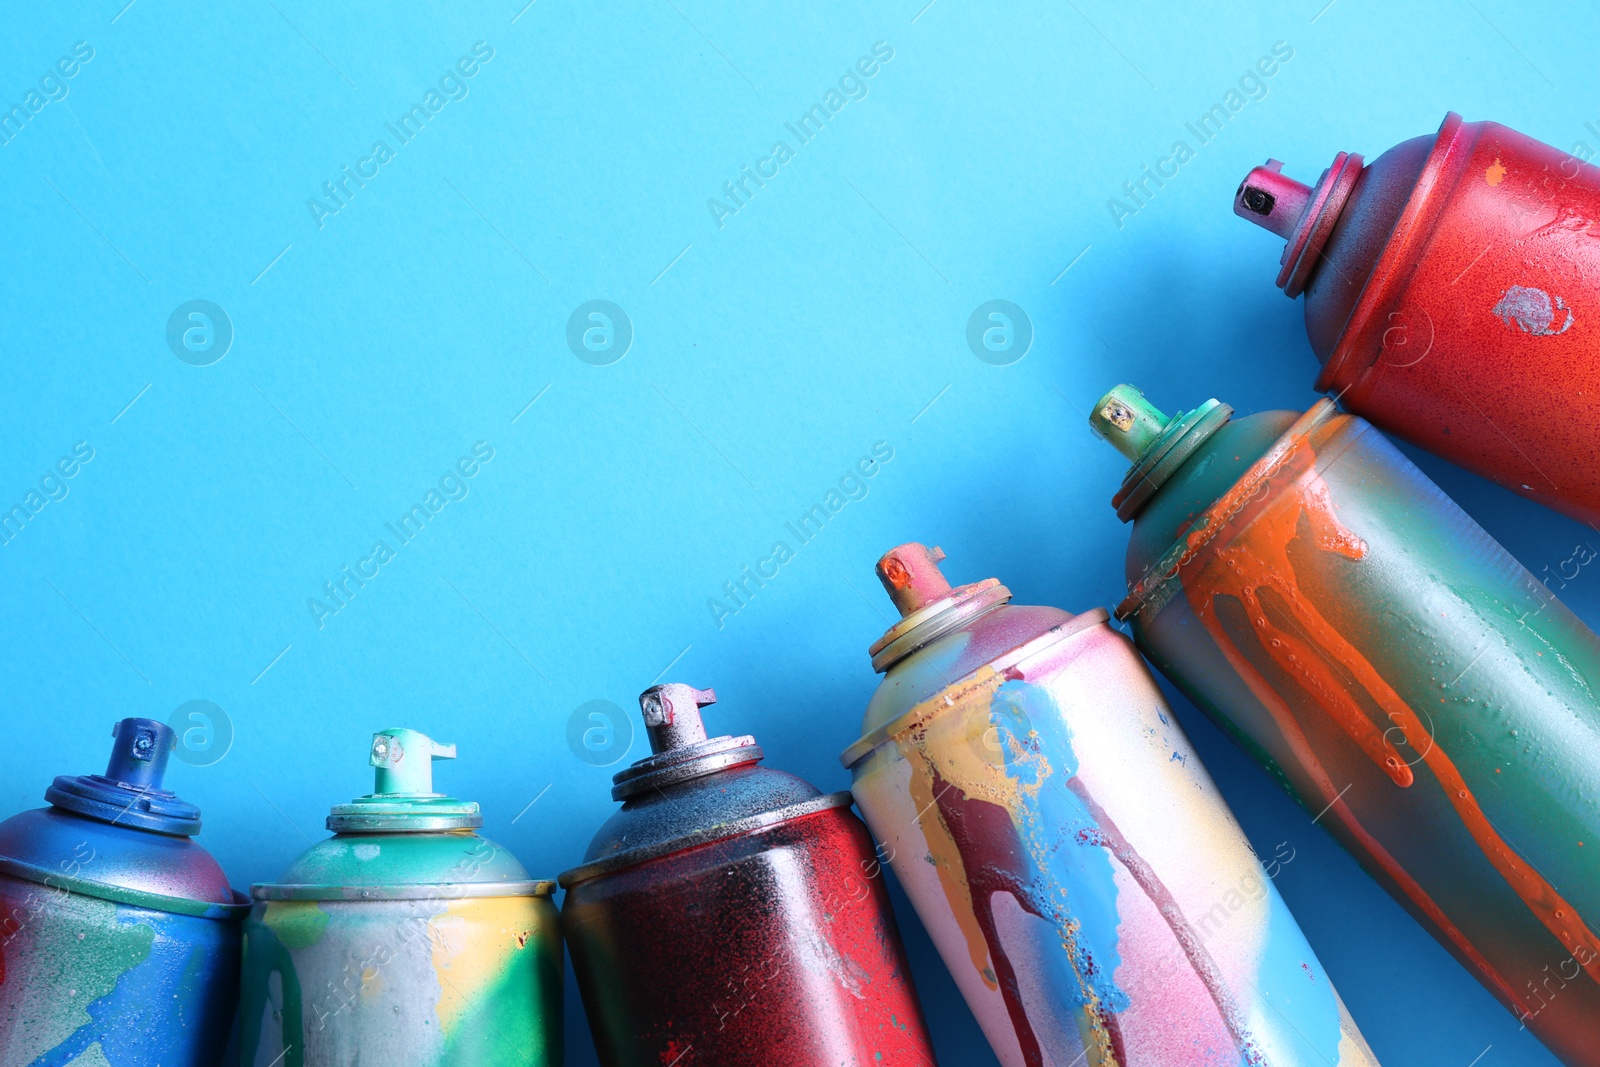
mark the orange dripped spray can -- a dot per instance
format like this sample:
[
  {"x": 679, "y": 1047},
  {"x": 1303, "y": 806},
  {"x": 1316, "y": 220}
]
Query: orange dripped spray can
[
  {"x": 1393, "y": 667},
  {"x": 1452, "y": 293}
]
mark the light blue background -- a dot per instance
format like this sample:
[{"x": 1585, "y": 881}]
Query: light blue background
[{"x": 768, "y": 356}]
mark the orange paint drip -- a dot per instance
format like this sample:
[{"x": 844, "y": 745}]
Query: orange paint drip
[
  {"x": 1241, "y": 550},
  {"x": 1306, "y": 757},
  {"x": 1249, "y": 554}
]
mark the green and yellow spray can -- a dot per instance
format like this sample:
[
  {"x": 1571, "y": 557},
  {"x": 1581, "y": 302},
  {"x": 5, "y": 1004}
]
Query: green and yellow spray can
[{"x": 406, "y": 939}]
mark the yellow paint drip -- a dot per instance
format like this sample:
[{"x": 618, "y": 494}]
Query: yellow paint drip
[
  {"x": 473, "y": 943},
  {"x": 373, "y": 987},
  {"x": 1353, "y": 1050},
  {"x": 948, "y": 744},
  {"x": 957, "y": 703}
]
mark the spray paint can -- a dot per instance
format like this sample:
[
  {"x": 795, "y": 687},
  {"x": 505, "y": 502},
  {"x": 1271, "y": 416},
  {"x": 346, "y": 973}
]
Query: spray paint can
[
  {"x": 731, "y": 914},
  {"x": 405, "y": 939},
  {"x": 1393, "y": 667},
  {"x": 119, "y": 935},
  {"x": 1450, "y": 295},
  {"x": 1076, "y": 867}
]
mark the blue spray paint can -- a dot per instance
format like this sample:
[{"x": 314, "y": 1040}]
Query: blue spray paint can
[{"x": 119, "y": 935}]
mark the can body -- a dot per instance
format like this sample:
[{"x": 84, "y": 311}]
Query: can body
[
  {"x": 140, "y": 986},
  {"x": 1407, "y": 681},
  {"x": 1475, "y": 333},
  {"x": 1082, "y": 877},
  {"x": 774, "y": 944},
  {"x": 436, "y": 979}
]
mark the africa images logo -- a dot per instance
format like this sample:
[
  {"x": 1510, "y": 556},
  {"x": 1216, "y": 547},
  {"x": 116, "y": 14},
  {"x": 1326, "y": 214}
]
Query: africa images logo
[
  {"x": 852, "y": 85},
  {"x": 1252, "y": 85},
  {"x": 999, "y": 332},
  {"x": 52, "y": 88},
  {"x": 453, "y": 485},
  {"x": 199, "y": 333},
  {"x": 452, "y": 85},
  {"x": 599, "y": 333}
]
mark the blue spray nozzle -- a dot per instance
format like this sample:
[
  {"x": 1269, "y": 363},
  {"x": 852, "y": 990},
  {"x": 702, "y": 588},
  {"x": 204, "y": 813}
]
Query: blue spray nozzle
[
  {"x": 130, "y": 792},
  {"x": 139, "y": 756}
]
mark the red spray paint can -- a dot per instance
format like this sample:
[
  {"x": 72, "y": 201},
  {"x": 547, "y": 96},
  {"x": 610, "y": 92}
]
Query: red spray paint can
[
  {"x": 1452, "y": 293},
  {"x": 733, "y": 914}
]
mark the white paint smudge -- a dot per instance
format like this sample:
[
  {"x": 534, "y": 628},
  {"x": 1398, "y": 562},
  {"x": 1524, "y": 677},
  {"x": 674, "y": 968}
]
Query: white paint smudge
[{"x": 1532, "y": 311}]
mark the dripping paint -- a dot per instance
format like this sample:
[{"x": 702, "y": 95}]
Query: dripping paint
[
  {"x": 1082, "y": 883},
  {"x": 1415, "y": 688}
]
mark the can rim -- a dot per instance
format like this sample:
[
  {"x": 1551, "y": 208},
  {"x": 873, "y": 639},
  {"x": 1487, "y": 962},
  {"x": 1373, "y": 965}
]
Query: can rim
[
  {"x": 926, "y": 625},
  {"x": 399, "y": 822},
  {"x": 1328, "y": 200},
  {"x": 684, "y": 764},
  {"x": 1183, "y": 436},
  {"x": 414, "y": 891},
  {"x": 1394, "y": 264},
  {"x": 710, "y": 835},
  {"x": 927, "y": 709},
  {"x": 116, "y": 894}
]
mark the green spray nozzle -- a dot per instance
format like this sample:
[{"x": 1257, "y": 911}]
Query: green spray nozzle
[
  {"x": 402, "y": 796},
  {"x": 1130, "y": 422},
  {"x": 404, "y": 759},
  {"x": 1156, "y": 445}
]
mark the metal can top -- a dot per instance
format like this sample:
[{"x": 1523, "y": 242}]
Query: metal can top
[
  {"x": 130, "y": 793},
  {"x": 403, "y": 840},
  {"x": 1265, "y": 453},
  {"x": 1155, "y": 444},
  {"x": 416, "y": 866},
  {"x": 692, "y": 789},
  {"x": 119, "y": 835},
  {"x": 944, "y": 635}
]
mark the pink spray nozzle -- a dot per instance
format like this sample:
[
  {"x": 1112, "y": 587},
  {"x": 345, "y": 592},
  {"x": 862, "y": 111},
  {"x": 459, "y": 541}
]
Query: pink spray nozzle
[
  {"x": 910, "y": 575},
  {"x": 1271, "y": 199}
]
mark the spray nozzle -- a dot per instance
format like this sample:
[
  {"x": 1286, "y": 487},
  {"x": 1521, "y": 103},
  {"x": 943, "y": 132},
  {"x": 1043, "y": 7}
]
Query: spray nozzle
[
  {"x": 140, "y": 753},
  {"x": 1130, "y": 422},
  {"x": 672, "y": 714},
  {"x": 1271, "y": 199},
  {"x": 402, "y": 796},
  {"x": 929, "y": 607},
  {"x": 680, "y": 750},
  {"x": 910, "y": 575},
  {"x": 1156, "y": 445},
  {"x": 130, "y": 792},
  {"x": 404, "y": 759},
  {"x": 1303, "y": 215}
]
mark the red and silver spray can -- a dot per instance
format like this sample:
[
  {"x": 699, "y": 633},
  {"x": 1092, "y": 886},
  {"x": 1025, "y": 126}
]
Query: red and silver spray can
[
  {"x": 733, "y": 914},
  {"x": 1452, "y": 293}
]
